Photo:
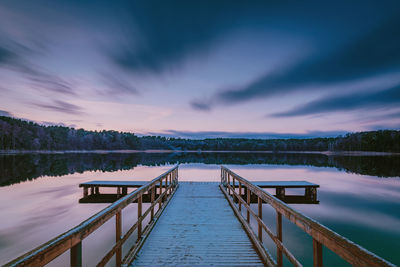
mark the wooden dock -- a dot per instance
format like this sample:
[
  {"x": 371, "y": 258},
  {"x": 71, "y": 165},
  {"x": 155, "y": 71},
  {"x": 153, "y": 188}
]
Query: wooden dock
[
  {"x": 198, "y": 228},
  {"x": 203, "y": 224}
]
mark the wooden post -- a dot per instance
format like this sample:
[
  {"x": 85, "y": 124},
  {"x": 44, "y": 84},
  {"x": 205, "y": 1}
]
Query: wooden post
[
  {"x": 96, "y": 190},
  {"x": 85, "y": 191},
  {"x": 317, "y": 253},
  {"x": 139, "y": 210},
  {"x": 76, "y": 255},
  {"x": 229, "y": 183},
  {"x": 280, "y": 192},
  {"x": 260, "y": 216},
  {"x": 170, "y": 184},
  {"x": 279, "y": 258},
  {"x": 248, "y": 203},
  {"x": 160, "y": 201},
  {"x": 240, "y": 194},
  {"x": 118, "y": 233},
  {"x": 233, "y": 188},
  {"x": 166, "y": 186},
  {"x": 153, "y": 189}
]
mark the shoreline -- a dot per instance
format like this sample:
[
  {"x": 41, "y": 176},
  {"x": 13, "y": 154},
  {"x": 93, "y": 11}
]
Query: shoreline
[{"x": 328, "y": 153}]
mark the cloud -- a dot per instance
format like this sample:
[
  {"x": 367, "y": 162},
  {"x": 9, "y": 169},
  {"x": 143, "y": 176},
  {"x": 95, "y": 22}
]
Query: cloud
[
  {"x": 374, "y": 53},
  {"x": 61, "y": 106},
  {"x": 5, "y": 113},
  {"x": 5, "y": 55},
  {"x": 160, "y": 36},
  {"x": 16, "y": 60},
  {"x": 118, "y": 84},
  {"x": 201, "y": 105},
  {"x": 346, "y": 102},
  {"x": 41, "y": 79},
  {"x": 253, "y": 135}
]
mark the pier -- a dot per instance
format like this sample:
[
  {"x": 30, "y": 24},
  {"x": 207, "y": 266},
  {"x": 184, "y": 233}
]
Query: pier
[{"x": 199, "y": 223}]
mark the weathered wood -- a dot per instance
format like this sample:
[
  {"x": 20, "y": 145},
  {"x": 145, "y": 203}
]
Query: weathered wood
[
  {"x": 317, "y": 253},
  {"x": 52, "y": 249},
  {"x": 109, "y": 255},
  {"x": 153, "y": 193},
  {"x": 248, "y": 203},
  {"x": 76, "y": 255},
  {"x": 240, "y": 193},
  {"x": 139, "y": 231},
  {"x": 260, "y": 216},
  {"x": 118, "y": 233},
  {"x": 279, "y": 258},
  {"x": 264, "y": 254},
  {"x": 134, "y": 250},
  {"x": 352, "y": 253},
  {"x": 279, "y": 244},
  {"x": 193, "y": 232}
]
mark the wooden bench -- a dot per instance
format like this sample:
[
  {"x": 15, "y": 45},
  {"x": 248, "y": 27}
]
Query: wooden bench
[
  {"x": 309, "y": 197},
  {"x": 92, "y": 194}
]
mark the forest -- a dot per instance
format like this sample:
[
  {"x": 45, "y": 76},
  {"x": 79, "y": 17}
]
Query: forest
[
  {"x": 17, "y": 134},
  {"x": 16, "y": 168}
]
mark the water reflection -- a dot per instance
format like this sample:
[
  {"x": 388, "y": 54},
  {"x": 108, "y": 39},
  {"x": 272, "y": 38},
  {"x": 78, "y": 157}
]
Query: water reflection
[
  {"x": 22, "y": 167},
  {"x": 363, "y": 208}
]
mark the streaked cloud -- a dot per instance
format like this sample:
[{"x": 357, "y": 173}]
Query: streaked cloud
[
  {"x": 61, "y": 106},
  {"x": 386, "y": 98}
]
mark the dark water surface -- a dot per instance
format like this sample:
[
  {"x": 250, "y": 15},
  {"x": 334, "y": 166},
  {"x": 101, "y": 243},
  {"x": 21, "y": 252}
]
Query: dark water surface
[{"x": 359, "y": 196}]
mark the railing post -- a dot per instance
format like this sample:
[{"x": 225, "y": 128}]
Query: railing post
[
  {"x": 317, "y": 253},
  {"x": 279, "y": 258},
  {"x": 118, "y": 233},
  {"x": 240, "y": 194},
  {"x": 160, "y": 201},
  {"x": 260, "y": 216},
  {"x": 233, "y": 189},
  {"x": 229, "y": 184},
  {"x": 166, "y": 185},
  {"x": 76, "y": 255},
  {"x": 170, "y": 184},
  {"x": 139, "y": 231},
  {"x": 248, "y": 203},
  {"x": 153, "y": 189}
]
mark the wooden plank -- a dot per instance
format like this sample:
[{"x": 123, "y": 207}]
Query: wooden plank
[
  {"x": 52, "y": 249},
  {"x": 193, "y": 231},
  {"x": 317, "y": 253},
  {"x": 287, "y": 184},
  {"x": 76, "y": 255},
  {"x": 349, "y": 251},
  {"x": 115, "y": 183},
  {"x": 279, "y": 258},
  {"x": 118, "y": 233}
]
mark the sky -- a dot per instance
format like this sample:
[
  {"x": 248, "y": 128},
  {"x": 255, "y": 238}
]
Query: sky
[{"x": 195, "y": 69}]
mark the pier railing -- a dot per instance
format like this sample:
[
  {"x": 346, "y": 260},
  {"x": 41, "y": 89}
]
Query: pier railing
[
  {"x": 235, "y": 186},
  {"x": 72, "y": 239}
]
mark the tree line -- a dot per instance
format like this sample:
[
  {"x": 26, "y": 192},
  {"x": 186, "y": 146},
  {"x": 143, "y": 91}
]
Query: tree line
[
  {"x": 17, "y": 134},
  {"x": 17, "y": 168}
]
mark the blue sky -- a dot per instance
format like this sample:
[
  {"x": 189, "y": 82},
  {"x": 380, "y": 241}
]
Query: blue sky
[{"x": 203, "y": 68}]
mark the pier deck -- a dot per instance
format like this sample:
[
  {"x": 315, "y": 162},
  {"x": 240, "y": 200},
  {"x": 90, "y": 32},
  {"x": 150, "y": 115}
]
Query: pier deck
[{"x": 198, "y": 227}]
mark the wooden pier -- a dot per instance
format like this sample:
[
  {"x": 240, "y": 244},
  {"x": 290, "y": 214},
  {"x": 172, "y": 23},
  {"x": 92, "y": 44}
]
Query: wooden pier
[
  {"x": 201, "y": 224},
  {"x": 188, "y": 234}
]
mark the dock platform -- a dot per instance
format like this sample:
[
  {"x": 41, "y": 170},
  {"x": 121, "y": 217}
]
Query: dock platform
[
  {"x": 198, "y": 224},
  {"x": 198, "y": 228}
]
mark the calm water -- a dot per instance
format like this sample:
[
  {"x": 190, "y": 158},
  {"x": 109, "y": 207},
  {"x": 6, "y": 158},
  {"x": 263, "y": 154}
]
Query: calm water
[{"x": 359, "y": 196}]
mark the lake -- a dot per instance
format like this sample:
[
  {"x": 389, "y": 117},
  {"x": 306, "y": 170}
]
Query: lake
[{"x": 359, "y": 196}]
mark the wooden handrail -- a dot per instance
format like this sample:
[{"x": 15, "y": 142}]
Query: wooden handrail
[
  {"x": 322, "y": 236},
  {"x": 72, "y": 239}
]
